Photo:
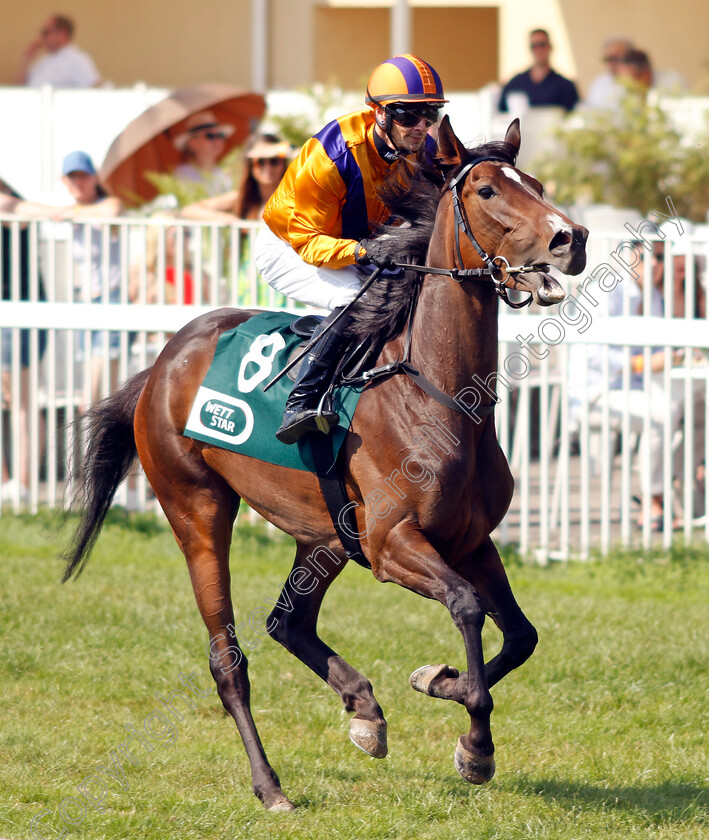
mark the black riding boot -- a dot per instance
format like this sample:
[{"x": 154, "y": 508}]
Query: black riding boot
[{"x": 301, "y": 411}]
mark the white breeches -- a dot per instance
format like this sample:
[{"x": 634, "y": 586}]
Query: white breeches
[{"x": 287, "y": 273}]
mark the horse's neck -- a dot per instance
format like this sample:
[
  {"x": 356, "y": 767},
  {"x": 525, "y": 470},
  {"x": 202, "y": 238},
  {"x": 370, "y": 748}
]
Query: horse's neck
[
  {"x": 455, "y": 332},
  {"x": 455, "y": 327}
]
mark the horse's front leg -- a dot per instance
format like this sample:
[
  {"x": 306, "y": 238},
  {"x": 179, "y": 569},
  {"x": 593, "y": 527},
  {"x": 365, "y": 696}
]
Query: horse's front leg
[
  {"x": 487, "y": 574},
  {"x": 293, "y": 622},
  {"x": 484, "y": 570},
  {"x": 407, "y": 558}
]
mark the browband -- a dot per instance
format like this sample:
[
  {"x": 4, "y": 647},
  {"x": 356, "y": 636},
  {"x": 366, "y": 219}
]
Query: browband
[{"x": 474, "y": 162}]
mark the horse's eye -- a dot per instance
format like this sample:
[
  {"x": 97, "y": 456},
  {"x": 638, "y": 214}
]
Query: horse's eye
[{"x": 486, "y": 192}]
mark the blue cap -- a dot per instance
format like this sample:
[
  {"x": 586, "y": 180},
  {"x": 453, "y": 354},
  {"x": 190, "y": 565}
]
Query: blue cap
[{"x": 78, "y": 162}]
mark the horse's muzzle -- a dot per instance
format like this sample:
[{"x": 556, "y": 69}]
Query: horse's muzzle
[{"x": 568, "y": 249}]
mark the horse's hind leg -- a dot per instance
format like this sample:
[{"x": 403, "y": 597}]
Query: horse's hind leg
[
  {"x": 202, "y": 515},
  {"x": 293, "y": 623}
]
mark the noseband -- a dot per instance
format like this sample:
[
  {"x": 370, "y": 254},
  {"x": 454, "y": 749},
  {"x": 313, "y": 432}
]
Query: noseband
[{"x": 494, "y": 266}]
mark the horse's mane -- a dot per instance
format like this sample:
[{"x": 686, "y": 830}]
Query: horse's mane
[{"x": 412, "y": 198}]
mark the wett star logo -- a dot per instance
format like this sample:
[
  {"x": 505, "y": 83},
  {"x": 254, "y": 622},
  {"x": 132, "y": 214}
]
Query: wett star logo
[{"x": 221, "y": 416}]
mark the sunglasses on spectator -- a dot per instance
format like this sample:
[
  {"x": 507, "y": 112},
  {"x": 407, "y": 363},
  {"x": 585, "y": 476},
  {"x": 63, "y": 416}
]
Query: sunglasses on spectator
[
  {"x": 537, "y": 45},
  {"x": 214, "y": 135},
  {"x": 272, "y": 161},
  {"x": 411, "y": 115}
]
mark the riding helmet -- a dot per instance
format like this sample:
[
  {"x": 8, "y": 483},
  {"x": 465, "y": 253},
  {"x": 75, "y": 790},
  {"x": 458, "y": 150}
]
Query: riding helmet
[{"x": 404, "y": 78}]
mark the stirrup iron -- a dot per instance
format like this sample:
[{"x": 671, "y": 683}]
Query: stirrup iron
[{"x": 320, "y": 420}]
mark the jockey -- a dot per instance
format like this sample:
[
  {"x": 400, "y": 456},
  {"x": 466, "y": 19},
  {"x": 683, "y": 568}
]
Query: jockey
[{"x": 320, "y": 218}]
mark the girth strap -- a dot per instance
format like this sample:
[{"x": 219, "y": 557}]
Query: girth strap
[{"x": 333, "y": 490}]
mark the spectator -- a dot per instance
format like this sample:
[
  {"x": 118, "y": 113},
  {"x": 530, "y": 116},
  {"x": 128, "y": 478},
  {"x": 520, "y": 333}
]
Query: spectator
[
  {"x": 178, "y": 285},
  {"x": 172, "y": 281},
  {"x": 542, "y": 85},
  {"x": 91, "y": 202},
  {"x": 605, "y": 90},
  {"x": 644, "y": 397},
  {"x": 63, "y": 63},
  {"x": 18, "y": 486},
  {"x": 202, "y": 146},
  {"x": 637, "y": 66},
  {"x": 265, "y": 163}
]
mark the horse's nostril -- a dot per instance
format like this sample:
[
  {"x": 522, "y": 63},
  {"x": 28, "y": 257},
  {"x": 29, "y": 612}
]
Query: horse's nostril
[
  {"x": 561, "y": 239},
  {"x": 580, "y": 235}
]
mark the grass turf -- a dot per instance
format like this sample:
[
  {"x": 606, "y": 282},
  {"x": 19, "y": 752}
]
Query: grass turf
[{"x": 601, "y": 735}]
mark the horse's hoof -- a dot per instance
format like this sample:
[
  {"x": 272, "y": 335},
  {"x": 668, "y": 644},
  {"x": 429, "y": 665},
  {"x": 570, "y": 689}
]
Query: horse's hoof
[
  {"x": 422, "y": 678},
  {"x": 281, "y": 805},
  {"x": 369, "y": 736},
  {"x": 476, "y": 769}
]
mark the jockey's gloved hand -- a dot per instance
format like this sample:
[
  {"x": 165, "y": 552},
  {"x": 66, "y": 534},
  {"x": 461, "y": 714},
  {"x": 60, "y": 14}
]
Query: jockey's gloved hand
[{"x": 371, "y": 252}]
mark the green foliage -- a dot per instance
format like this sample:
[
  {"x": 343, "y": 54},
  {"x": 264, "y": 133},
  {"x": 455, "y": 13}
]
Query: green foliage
[
  {"x": 185, "y": 192},
  {"x": 634, "y": 158},
  {"x": 297, "y": 128}
]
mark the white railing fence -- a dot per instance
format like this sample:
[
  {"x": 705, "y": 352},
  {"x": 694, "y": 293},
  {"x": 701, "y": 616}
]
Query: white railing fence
[
  {"x": 603, "y": 409},
  {"x": 583, "y": 440},
  {"x": 72, "y": 328}
]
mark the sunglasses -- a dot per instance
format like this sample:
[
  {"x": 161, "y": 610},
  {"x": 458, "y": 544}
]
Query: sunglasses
[
  {"x": 214, "y": 135},
  {"x": 411, "y": 115},
  {"x": 538, "y": 45},
  {"x": 272, "y": 161}
]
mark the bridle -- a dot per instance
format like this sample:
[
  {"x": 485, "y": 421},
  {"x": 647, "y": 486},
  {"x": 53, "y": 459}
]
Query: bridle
[{"x": 495, "y": 267}]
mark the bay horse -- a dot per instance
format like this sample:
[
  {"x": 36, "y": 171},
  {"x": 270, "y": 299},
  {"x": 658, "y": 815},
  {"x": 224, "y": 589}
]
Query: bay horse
[{"x": 431, "y": 537}]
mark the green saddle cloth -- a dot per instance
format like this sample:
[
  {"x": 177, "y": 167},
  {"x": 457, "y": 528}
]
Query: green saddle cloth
[{"x": 231, "y": 409}]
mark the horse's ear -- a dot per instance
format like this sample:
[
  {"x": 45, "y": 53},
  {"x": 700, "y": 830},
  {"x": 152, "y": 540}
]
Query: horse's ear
[
  {"x": 450, "y": 150},
  {"x": 514, "y": 135}
]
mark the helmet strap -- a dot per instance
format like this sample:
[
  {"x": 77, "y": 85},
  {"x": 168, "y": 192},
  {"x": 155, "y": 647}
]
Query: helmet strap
[{"x": 386, "y": 152}]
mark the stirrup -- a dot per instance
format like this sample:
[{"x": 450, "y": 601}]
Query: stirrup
[
  {"x": 302, "y": 422},
  {"x": 321, "y": 421}
]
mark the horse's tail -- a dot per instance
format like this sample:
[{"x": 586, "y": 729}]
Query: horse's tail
[{"x": 110, "y": 451}]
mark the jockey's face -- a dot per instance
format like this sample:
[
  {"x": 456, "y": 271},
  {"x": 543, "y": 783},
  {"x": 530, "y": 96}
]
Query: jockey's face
[{"x": 407, "y": 138}]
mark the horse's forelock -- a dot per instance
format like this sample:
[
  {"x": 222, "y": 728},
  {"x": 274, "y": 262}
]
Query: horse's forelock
[{"x": 495, "y": 149}]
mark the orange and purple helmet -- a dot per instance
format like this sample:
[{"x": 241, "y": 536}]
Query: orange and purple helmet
[{"x": 404, "y": 78}]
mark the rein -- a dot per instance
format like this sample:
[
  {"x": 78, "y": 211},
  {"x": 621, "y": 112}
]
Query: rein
[{"x": 494, "y": 266}]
